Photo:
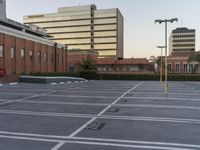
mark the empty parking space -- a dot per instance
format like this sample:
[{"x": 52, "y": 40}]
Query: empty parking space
[{"x": 100, "y": 115}]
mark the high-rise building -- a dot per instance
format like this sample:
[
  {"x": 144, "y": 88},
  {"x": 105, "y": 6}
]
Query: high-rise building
[
  {"x": 182, "y": 40},
  {"x": 3, "y": 9},
  {"x": 84, "y": 28}
]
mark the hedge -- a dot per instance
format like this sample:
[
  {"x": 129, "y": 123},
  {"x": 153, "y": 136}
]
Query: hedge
[{"x": 93, "y": 74}]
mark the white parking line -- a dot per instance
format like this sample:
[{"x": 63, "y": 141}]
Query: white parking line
[
  {"x": 59, "y": 145},
  {"x": 161, "y": 98},
  {"x": 132, "y": 118},
  {"x": 103, "y": 111},
  {"x": 52, "y": 95},
  {"x": 159, "y": 106},
  {"x": 32, "y": 96},
  {"x": 161, "y": 93},
  {"x": 64, "y": 103},
  {"x": 98, "y": 141}
]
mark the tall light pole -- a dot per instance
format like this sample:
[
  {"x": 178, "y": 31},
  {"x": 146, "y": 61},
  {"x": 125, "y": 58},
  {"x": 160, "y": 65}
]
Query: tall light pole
[
  {"x": 161, "y": 62},
  {"x": 166, "y": 21}
]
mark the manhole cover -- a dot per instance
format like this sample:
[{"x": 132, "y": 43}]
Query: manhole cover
[{"x": 95, "y": 126}]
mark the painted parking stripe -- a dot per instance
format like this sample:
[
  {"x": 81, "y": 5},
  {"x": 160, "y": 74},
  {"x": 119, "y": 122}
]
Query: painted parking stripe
[
  {"x": 135, "y": 118},
  {"x": 103, "y": 111},
  {"x": 98, "y": 141}
]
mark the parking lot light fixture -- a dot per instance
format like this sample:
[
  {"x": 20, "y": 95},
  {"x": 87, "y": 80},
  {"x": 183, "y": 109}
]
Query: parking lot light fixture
[{"x": 160, "y": 21}]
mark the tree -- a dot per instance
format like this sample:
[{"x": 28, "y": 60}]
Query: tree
[
  {"x": 195, "y": 58},
  {"x": 157, "y": 62},
  {"x": 88, "y": 64}
]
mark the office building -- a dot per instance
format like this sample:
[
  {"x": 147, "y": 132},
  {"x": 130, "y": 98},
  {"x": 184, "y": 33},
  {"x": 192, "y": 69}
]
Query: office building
[
  {"x": 2, "y": 9},
  {"x": 84, "y": 28},
  {"x": 182, "y": 40}
]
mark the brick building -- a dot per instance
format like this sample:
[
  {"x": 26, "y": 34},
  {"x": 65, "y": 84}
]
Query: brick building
[
  {"x": 24, "y": 51},
  {"x": 125, "y": 66},
  {"x": 75, "y": 58},
  {"x": 109, "y": 65},
  {"x": 178, "y": 63}
]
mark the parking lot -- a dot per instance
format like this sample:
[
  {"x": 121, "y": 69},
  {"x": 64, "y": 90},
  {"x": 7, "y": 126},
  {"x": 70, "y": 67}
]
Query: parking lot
[{"x": 100, "y": 115}]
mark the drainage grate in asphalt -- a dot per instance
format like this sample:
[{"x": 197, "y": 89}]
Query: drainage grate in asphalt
[
  {"x": 113, "y": 110},
  {"x": 95, "y": 126},
  {"x": 124, "y": 101}
]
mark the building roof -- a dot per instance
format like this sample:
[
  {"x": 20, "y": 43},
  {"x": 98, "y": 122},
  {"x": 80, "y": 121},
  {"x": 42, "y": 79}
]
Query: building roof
[
  {"x": 21, "y": 27},
  {"x": 183, "y": 30},
  {"x": 127, "y": 61}
]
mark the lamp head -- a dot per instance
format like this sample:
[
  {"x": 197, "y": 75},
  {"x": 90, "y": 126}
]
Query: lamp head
[
  {"x": 158, "y": 21},
  {"x": 174, "y": 20}
]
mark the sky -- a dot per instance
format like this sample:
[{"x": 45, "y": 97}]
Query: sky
[{"x": 141, "y": 35}]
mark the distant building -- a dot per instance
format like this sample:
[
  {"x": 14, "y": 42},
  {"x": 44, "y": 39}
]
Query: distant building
[
  {"x": 74, "y": 59},
  {"x": 180, "y": 65},
  {"x": 84, "y": 28},
  {"x": 182, "y": 40},
  {"x": 125, "y": 66},
  {"x": 2, "y": 9}
]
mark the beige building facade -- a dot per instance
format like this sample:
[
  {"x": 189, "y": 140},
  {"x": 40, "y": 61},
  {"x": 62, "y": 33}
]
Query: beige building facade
[{"x": 84, "y": 28}]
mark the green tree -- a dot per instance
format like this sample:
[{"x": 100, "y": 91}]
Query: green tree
[
  {"x": 195, "y": 58},
  {"x": 88, "y": 64}
]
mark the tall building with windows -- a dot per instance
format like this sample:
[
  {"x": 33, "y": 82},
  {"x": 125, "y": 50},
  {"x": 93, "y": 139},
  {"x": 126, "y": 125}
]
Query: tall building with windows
[
  {"x": 2, "y": 9},
  {"x": 182, "y": 40},
  {"x": 84, "y": 28}
]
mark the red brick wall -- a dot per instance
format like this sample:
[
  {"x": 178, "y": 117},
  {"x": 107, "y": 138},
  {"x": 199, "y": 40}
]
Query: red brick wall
[
  {"x": 74, "y": 59},
  {"x": 20, "y": 65}
]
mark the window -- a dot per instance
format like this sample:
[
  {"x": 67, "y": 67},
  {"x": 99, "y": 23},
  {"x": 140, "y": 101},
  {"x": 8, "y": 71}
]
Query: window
[
  {"x": 22, "y": 53},
  {"x": 188, "y": 68},
  {"x": 177, "y": 68},
  {"x": 45, "y": 57},
  {"x": 1, "y": 51},
  {"x": 39, "y": 56},
  {"x": 169, "y": 67},
  {"x": 31, "y": 55},
  {"x": 12, "y": 52}
]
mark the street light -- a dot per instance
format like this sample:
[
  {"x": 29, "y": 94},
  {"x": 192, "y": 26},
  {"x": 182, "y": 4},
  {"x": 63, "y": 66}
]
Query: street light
[
  {"x": 161, "y": 65},
  {"x": 166, "y": 21}
]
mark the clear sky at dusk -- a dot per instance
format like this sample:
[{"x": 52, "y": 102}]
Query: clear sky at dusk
[{"x": 141, "y": 34}]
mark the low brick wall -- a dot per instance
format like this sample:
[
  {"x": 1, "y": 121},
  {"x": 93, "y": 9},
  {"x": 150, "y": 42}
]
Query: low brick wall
[{"x": 9, "y": 78}]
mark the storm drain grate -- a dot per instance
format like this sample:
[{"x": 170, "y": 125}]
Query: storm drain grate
[
  {"x": 95, "y": 126},
  {"x": 113, "y": 110},
  {"x": 124, "y": 101}
]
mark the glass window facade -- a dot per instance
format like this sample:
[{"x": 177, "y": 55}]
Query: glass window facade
[
  {"x": 177, "y": 68},
  {"x": 69, "y": 29},
  {"x": 105, "y": 21},
  {"x": 22, "y": 53},
  {"x": 1, "y": 51},
  {"x": 12, "y": 52},
  {"x": 105, "y": 46},
  {"x": 87, "y": 47},
  {"x": 31, "y": 55},
  {"x": 84, "y": 28},
  {"x": 105, "y": 27},
  {"x": 105, "y": 34},
  {"x": 107, "y": 53},
  {"x": 74, "y": 41},
  {"x": 105, "y": 40},
  {"x": 64, "y": 23},
  {"x": 72, "y": 35}
]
